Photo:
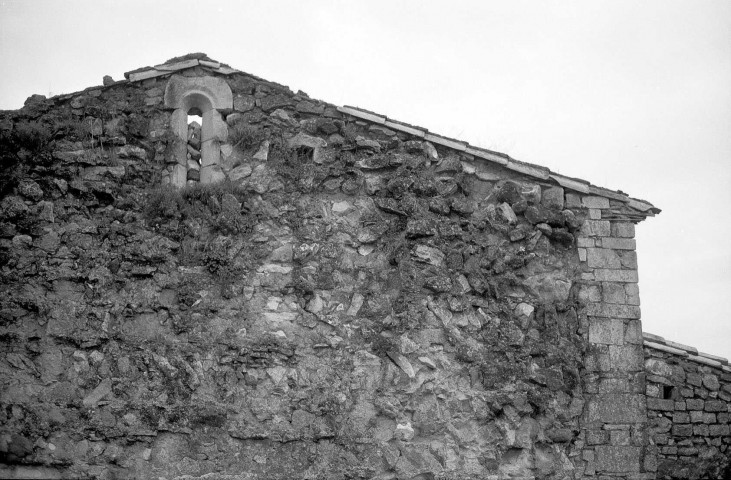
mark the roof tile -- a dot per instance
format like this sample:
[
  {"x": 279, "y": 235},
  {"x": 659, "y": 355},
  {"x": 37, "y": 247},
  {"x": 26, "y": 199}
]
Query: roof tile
[
  {"x": 171, "y": 67},
  {"x": 572, "y": 183},
  {"x": 405, "y": 127},
  {"x": 362, "y": 114},
  {"x": 496, "y": 157},
  {"x": 446, "y": 142}
]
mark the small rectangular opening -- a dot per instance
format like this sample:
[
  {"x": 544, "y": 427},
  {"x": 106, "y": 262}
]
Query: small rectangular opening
[
  {"x": 305, "y": 154},
  {"x": 667, "y": 392}
]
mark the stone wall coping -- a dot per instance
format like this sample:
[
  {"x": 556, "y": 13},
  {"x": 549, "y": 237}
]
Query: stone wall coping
[
  {"x": 691, "y": 353},
  {"x": 705, "y": 361},
  {"x": 496, "y": 157},
  {"x": 664, "y": 348},
  {"x": 532, "y": 170},
  {"x": 168, "y": 68},
  {"x": 458, "y": 145},
  {"x": 571, "y": 183}
]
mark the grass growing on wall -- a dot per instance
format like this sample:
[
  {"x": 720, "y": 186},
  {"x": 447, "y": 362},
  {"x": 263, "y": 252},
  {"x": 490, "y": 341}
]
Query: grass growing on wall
[{"x": 203, "y": 202}]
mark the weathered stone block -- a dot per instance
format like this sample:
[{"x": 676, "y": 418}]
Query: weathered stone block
[
  {"x": 660, "y": 404},
  {"x": 272, "y": 102},
  {"x": 719, "y": 430},
  {"x": 617, "y": 459},
  {"x": 694, "y": 379},
  {"x": 613, "y": 310},
  {"x": 627, "y": 358},
  {"x": 628, "y": 259},
  {"x": 696, "y": 416},
  {"x": 633, "y": 332},
  {"x": 658, "y": 367},
  {"x": 573, "y": 200},
  {"x": 602, "y": 258},
  {"x": 606, "y": 330},
  {"x": 614, "y": 385},
  {"x": 607, "y": 275},
  {"x": 613, "y": 293},
  {"x": 617, "y": 408},
  {"x": 591, "y": 201},
  {"x": 244, "y": 103},
  {"x": 590, "y": 293},
  {"x": 596, "y": 228},
  {"x": 681, "y": 417},
  {"x": 101, "y": 390},
  {"x": 619, "y": 437},
  {"x": 632, "y": 291},
  {"x": 695, "y": 404},
  {"x": 623, "y": 229},
  {"x": 652, "y": 390},
  {"x": 619, "y": 243},
  {"x": 715, "y": 406},
  {"x": 585, "y": 242},
  {"x": 710, "y": 381},
  {"x": 597, "y": 437},
  {"x": 553, "y": 198}
]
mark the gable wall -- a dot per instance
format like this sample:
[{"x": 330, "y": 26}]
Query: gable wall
[{"x": 354, "y": 301}]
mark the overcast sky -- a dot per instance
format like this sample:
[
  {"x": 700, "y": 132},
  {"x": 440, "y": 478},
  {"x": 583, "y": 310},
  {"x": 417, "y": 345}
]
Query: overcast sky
[{"x": 628, "y": 95}]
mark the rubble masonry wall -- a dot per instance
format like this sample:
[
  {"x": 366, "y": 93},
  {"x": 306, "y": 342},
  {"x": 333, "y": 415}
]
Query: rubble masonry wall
[
  {"x": 345, "y": 301},
  {"x": 689, "y": 410}
]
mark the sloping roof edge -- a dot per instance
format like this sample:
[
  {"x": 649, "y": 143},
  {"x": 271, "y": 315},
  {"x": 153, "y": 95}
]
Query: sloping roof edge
[
  {"x": 529, "y": 169},
  {"x": 691, "y": 353}
]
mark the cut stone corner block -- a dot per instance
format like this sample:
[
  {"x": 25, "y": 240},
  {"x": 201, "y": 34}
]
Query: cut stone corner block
[
  {"x": 203, "y": 93},
  {"x": 618, "y": 459}
]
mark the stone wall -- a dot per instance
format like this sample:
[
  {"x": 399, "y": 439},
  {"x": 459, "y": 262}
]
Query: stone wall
[
  {"x": 358, "y": 299},
  {"x": 689, "y": 409}
]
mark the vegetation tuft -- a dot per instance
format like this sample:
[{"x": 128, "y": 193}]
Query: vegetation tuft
[
  {"x": 202, "y": 202},
  {"x": 26, "y": 143},
  {"x": 245, "y": 136}
]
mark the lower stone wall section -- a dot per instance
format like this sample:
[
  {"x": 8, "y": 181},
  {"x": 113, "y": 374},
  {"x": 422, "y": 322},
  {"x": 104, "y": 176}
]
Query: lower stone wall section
[{"x": 689, "y": 411}]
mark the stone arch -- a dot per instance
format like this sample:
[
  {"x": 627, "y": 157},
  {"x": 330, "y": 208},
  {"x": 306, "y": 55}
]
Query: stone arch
[{"x": 206, "y": 95}]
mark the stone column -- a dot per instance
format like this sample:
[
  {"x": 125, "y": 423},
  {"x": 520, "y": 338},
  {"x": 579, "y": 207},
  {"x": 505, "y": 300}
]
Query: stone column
[
  {"x": 615, "y": 418},
  {"x": 213, "y": 132},
  {"x": 179, "y": 127}
]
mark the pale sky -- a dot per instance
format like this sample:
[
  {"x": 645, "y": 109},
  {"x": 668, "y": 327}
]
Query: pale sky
[{"x": 628, "y": 95}]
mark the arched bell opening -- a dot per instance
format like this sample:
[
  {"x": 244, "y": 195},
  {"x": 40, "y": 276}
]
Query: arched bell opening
[{"x": 199, "y": 128}]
